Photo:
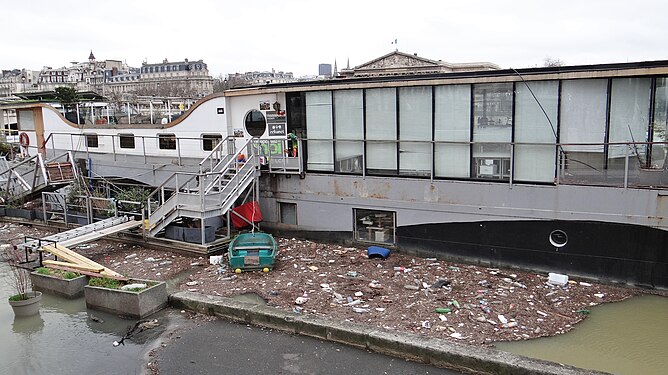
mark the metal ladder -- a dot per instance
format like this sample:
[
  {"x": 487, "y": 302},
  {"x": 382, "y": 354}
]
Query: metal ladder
[{"x": 85, "y": 233}]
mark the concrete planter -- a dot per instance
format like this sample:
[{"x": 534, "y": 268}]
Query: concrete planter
[
  {"x": 127, "y": 303},
  {"x": 28, "y": 306},
  {"x": 69, "y": 288}
]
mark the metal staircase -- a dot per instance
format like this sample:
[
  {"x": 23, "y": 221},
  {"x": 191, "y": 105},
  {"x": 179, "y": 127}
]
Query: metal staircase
[
  {"x": 211, "y": 192},
  {"x": 27, "y": 179}
]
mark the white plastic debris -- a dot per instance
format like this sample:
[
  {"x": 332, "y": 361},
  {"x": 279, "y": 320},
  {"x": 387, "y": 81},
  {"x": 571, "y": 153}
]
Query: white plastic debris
[
  {"x": 133, "y": 286},
  {"x": 557, "y": 279},
  {"x": 215, "y": 259},
  {"x": 301, "y": 300}
]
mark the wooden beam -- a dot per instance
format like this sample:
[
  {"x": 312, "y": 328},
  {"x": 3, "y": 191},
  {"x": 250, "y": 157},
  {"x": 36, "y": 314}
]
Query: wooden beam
[{"x": 78, "y": 266}]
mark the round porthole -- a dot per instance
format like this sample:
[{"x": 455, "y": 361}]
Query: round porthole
[
  {"x": 558, "y": 238},
  {"x": 255, "y": 123}
]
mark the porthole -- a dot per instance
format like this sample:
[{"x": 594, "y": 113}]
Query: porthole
[
  {"x": 558, "y": 238},
  {"x": 255, "y": 123}
]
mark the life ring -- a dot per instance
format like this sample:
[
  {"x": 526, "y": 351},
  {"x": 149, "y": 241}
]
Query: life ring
[{"x": 24, "y": 140}]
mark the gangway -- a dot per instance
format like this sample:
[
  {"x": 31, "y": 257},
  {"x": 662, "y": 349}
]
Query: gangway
[{"x": 84, "y": 233}]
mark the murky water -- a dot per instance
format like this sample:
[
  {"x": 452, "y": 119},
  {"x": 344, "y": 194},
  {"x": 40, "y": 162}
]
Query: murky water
[
  {"x": 63, "y": 339},
  {"x": 627, "y": 337}
]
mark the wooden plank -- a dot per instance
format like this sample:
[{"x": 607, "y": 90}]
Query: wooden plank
[
  {"x": 68, "y": 255},
  {"x": 74, "y": 265}
]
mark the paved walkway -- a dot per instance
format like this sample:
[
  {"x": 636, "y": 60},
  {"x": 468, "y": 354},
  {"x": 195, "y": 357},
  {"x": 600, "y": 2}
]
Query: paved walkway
[
  {"x": 222, "y": 347},
  {"x": 436, "y": 352}
]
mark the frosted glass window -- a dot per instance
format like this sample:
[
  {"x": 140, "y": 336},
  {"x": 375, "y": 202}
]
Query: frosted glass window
[
  {"x": 381, "y": 125},
  {"x": 452, "y": 123},
  {"x": 349, "y": 125},
  {"x": 415, "y": 125},
  {"x": 536, "y": 161},
  {"x": 629, "y": 116},
  {"x": 26, "y": 120},
  {"x": 583, "y": 120},
  {"x": 320, "y": 131},
  {"x": 659, "y": 125},
  {"x": 583, "y": 110}
]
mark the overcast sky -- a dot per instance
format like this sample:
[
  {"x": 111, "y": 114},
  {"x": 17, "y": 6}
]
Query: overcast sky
[{"x": 296, "y": 36}]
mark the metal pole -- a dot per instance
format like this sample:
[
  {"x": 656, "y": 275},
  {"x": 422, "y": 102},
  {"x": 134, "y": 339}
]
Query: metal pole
[
  {"x": 626, "y": 168},
  {"x": 150, "y": 107},
  {"x": 128, "y": 106}
]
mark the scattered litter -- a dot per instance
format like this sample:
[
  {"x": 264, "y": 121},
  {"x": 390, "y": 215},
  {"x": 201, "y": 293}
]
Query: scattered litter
[
  {"x": 375, "y": 285},
  {"x": 360, "y": 310},
  {"x": 359, "y": 294},
  {"x": 584, "y": 284},
  {"x": 377, "y": 252},
  {"x": 191, "y": 283},
  {"x": 582, "y": 311},
  {"x": 442, "y": 310},
  {"x": 301, "y": 300},
  {"x": 440, "y": 283},
  {"x": 557, "y": 279},
  {"x": 411, "y": 287},
  {"x": 351, "y": 274},
  {"x": 599, "y": 295},
  {"x": 131, "y": 256},
  {"x": 216, "y": 259},
  {"x": 456, "y": 335},
  {"x": 133, "y": 286},
  {"x": 426, "y": 324}
]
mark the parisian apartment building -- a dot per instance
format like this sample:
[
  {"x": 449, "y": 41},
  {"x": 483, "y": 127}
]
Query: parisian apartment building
[{"x": 114, "y": 78}]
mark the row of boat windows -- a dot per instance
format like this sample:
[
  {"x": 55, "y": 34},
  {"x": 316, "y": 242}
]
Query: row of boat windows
[
  {"x": 165, "y": 141},
  {"x": 488, "y": 130}
]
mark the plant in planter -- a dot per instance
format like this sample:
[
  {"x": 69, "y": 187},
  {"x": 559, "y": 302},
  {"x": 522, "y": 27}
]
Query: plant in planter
[
  {"x": 64, "y": 283},
  {"x": 26, "y": 301},
  {"x": 134, "y": 298}
]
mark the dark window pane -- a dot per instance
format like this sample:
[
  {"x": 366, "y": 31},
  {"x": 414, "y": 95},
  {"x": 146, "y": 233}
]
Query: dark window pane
[
  {"x": 127, "y": 140},
  {"x": 167, "y": 141}
]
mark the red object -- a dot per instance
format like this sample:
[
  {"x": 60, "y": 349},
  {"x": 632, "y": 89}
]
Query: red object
[{"x": 250, "y": 211}]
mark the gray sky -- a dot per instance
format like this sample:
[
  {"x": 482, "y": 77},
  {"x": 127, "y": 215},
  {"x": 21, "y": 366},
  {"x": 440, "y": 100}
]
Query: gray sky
[{"x": 297, "y": 35}]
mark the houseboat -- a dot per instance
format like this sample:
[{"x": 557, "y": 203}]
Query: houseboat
[{"x": 559, "y": 169}]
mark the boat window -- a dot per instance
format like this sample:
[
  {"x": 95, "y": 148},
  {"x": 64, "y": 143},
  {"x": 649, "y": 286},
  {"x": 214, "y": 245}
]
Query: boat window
[
  {"x": 374, "y": 225},
  {"x": 287, "y": 213},
  {"x": 167, "y": 141},
  {"x": 255, "y": 123},
  {"x": 415, "y": 118},
  {"x": 209, "y": 141},
  {"x": 629, "y": 122},
  {"x": 582, "y": 124},
  {"x": 91, "y": 140},
  {"x": 320, "y": 151},
  {"x": 381, "y": 131},
  {"x": 659, "y": 152},
  {"x": 492, "y": 130},
  {"x": 452, "y": 130},
  {"x": 126, "y": 140},
  {"x": 535, "y": 136},
  {"x": 349, "y": 130},
  {"x": 26, "y": 120}
]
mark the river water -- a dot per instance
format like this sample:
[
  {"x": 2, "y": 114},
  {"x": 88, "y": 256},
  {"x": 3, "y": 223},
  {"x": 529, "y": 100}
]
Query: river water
[
  {"x": 63, "y": 339},
  {"x": 626, "y": 337}
]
